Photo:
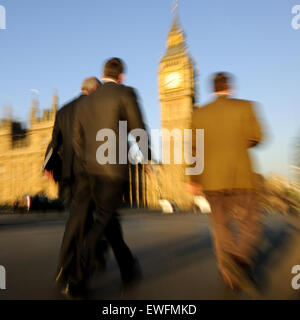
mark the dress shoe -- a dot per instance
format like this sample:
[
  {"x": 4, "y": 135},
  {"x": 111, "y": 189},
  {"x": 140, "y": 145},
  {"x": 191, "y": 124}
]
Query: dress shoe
[
  {"x": 237, "y": 276},
  {"x": 61, "y": 278},
  {"x": 75, "y": 291},
  {"x": 131, "y": 277}
]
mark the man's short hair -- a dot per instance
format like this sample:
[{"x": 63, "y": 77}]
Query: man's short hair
[
  {"x": 113, "y": 68},
  {"x": 90, "y": 84},
  {"x": 222, "y": 81}
]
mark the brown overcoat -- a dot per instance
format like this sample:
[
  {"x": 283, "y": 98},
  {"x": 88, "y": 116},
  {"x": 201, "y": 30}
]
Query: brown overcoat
[{"x": 230, "y": 129}]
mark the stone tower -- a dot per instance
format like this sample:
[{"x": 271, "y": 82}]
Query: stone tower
[
  {"x": 55, "y": 103},
  {"x": 177, "y": 97}
]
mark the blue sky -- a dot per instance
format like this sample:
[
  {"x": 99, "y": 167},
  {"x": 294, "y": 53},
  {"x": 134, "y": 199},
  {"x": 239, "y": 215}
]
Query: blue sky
[{"x": 55, "y": 44}]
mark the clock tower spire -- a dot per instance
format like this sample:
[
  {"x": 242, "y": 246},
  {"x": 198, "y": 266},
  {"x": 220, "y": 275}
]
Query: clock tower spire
[
  {"x": 177, "y": 95},
  {"x": 176, "y": 79}
]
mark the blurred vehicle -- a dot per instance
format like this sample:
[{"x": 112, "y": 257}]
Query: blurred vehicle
[
  {"x": 168, "y": 206},
  {"x": 38, "y": 202},
  {"x": 22, "y": 203},
  {"x": 5, "y": 208},
  {"x": 202, "y": 203}
]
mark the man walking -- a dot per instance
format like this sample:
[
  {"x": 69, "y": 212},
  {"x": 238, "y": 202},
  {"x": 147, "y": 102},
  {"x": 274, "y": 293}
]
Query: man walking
[
  {"x": 61, "y": 148},
  {"x": 105, "y": 183},
  {"x": 230, "y": 129},
  {"x": 61, "y": 143}
]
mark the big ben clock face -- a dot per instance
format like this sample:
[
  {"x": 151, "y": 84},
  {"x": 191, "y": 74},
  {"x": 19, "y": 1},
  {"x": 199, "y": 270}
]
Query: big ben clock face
[{"x": 173, "y": 80}]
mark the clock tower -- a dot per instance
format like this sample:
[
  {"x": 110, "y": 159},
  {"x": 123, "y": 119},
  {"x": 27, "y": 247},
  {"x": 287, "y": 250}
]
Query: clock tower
[{"x": 177, "y": 97}]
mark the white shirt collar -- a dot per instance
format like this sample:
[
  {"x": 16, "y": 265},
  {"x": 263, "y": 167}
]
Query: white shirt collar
[
  {"x": 222, "y": 94},
  {"x": 108, "y": 80}
]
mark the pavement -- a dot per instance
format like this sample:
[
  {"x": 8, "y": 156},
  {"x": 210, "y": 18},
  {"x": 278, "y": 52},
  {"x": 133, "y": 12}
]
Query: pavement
[{"x": 175, "y": 252}]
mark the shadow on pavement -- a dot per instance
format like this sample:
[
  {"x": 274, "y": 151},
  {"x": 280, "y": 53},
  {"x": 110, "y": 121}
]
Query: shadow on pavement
[
  {"x": 159, "y": 261},
  {"x": 276, "y": 238}
]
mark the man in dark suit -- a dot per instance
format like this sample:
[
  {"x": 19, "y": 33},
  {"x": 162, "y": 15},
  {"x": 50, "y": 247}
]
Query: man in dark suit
[
  {"x": 60, "y": 149},
  {"x": 230, "y": 128},
  {"x": 61, "y": 143},
  {"x": 105, "y": 183}
]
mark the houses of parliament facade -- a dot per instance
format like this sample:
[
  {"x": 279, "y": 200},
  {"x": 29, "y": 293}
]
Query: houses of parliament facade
[{"x": 22, "y": 151}]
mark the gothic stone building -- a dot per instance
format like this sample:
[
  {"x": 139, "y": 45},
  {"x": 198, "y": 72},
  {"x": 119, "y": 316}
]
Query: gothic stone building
[{"x": 22, "y": 154}]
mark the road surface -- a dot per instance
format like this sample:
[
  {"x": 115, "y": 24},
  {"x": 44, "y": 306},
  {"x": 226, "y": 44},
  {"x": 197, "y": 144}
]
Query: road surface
[{"x": 175, "y": 252}]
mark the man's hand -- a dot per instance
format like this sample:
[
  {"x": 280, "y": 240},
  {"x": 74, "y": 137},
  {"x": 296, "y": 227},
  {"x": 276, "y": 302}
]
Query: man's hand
[
  {"x": 49, "y": 175},
  {"x": 194, "y": 188}
]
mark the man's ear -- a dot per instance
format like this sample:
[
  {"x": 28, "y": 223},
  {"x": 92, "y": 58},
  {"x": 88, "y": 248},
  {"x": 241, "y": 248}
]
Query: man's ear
[{"x": 121, "y": 78}]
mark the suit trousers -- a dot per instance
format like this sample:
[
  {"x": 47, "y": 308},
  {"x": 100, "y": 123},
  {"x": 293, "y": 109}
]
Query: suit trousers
[
  {"x": 236, "y": 224},
  {"x": 65, "y": 192},
  {"x": 106, "y": 194},
  {"x": 79, "y": 221}
]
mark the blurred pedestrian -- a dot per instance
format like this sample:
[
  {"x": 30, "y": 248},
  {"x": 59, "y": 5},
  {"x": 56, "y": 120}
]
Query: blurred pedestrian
[
  {"x": 105, "y": 183},
  {"x": 62, "y": 166},
  {"x": 231, "y": 127}
]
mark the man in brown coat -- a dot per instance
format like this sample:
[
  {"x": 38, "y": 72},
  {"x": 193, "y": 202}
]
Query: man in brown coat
[{"x": 230, "y": 129}]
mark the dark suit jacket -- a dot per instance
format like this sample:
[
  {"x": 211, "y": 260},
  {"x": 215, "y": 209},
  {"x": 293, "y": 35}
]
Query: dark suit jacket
[
  {"x": 230, "y": 129},
  {"x": 103, "y": 109},
  {"x": 61, "y": 142}
]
